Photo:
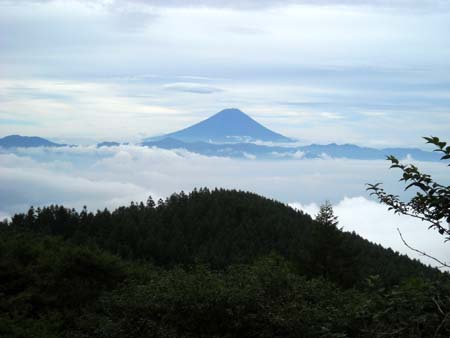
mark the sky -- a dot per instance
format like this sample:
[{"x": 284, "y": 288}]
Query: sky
[{"x": 374, "y": 73}]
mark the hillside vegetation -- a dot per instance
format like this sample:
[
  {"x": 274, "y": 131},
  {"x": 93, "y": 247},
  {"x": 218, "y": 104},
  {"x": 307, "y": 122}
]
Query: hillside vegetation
[{"x": 208, "y": 264}]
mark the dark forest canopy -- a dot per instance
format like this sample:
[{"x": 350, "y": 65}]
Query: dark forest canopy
[
  {"x": 219, "y": 263},
  {"x": 220, "y": 228}
]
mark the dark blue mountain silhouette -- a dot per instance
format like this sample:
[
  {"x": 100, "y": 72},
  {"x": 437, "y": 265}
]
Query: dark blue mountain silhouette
[
  {"x": 18, "y": 141},
  {"x": 108, "y": 144},
  {"x": 229, "y": 125},
  {"x": 251, "y": 150}
]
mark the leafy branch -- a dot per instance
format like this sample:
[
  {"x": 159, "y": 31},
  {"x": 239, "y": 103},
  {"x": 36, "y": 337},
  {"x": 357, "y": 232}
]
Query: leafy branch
[{"x": 432, "y": 200}]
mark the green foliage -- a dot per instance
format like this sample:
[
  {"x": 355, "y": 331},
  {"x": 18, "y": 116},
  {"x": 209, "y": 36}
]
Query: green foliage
[
  {"x": 220, "y": 228},
  {"x": 326, "y": 215},
  {"x": 264, "y": 299},
  {"x": 216, "y": 264},
  {"x": 45, "y": 282},
  {"x": 415, "y": 308},
  {"x": 431, "y": 202},
  {"x": 53, "y": 289}
]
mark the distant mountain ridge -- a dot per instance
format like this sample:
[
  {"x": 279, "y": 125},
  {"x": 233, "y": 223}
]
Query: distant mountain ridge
[
  {"x": 108, "y": 144},
  {"x": 246, "y": 150},
  {"x": 228, "y": 125},
  {"x": 18, "y": 141},
  {"x": 251, "y": 150},
  {"x": 232, "y": 133}
]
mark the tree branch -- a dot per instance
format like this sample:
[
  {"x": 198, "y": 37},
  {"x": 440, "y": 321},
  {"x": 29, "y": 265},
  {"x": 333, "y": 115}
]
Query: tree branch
[
  {"x": 443, "y": 265},
  {"x": 440, "y": 325}
]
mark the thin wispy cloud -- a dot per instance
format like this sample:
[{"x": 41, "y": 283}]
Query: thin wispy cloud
[
  {"x": 192, "y": 87},
  {"x": 256, "y": 4},
  {"x": 332, "y": 116}
]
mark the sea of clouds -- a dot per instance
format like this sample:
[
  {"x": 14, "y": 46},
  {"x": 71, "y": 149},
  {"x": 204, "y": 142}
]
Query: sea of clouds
[{"x": 110, "y": 177}]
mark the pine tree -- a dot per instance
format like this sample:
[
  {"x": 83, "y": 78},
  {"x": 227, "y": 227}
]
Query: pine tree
[
  {"x": 150, "y": 202},
  {"x": 326, "y": 215}
]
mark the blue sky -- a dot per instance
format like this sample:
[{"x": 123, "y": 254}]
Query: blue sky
[{"x": 373, "y": 73}]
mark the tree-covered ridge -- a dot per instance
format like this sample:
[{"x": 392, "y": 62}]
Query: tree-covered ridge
[
  {"x": 220, "y": 228},
  {"x": 53, "y": 289}
]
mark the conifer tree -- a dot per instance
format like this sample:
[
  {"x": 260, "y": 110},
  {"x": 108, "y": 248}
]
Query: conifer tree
[
  {"x": 150, "y": 202},
  {"x": 326, "y": 215}
]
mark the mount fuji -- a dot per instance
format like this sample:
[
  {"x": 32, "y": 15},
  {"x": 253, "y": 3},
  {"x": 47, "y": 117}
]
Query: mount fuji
[
  {"x": 231, "y": 133},
  {"x": 227, "y": 126}
]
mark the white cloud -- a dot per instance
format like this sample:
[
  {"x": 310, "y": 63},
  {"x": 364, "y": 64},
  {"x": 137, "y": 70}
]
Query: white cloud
[
  {"x": 331, "y": 116},
  {"x": 192, "y": 87},
  {"x": 252, "y": 4},
  {"x": 25, "y": 182},
  {"x": 296, "y": 155},
  {"x": 249, "y": 156},
  {"x": 256, "y": 4},
  {"x": 373, "y": 221},
  {"x": 4, "y": 216},
  {"x": 109, "y": 177}
]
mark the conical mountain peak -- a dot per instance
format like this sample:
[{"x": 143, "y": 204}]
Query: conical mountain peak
[
  {"x": 228, "y": 125},
  {"x": 231, "y": 111}
]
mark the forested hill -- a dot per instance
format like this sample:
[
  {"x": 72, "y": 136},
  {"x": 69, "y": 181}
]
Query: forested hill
[
  {"x": 220, "y": 228},
  {"x": 211, "y": 264}
]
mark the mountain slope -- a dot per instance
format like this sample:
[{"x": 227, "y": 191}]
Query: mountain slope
[
  {"x": 56, "y": 288},
  {"x": 18, "y": 141},
  {"x": 221, "y": 228},
  {"x": 229, "y": 125}
]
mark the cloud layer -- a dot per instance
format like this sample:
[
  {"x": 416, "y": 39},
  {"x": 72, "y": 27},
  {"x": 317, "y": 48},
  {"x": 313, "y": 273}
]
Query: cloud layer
[
  {"x": 373, "y": 221},
  {"x": 257, "y": 4},
  {"x": 190, "y": 87},
  {"x": 109, "y": 177}
]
